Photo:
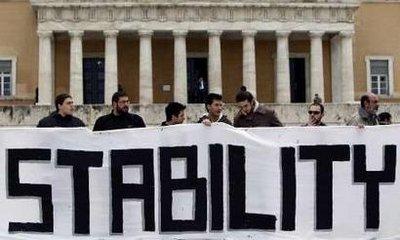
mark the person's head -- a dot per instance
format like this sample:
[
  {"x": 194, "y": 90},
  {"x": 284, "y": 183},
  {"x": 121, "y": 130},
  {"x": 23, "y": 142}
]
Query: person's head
[
  {"x": 120, "y": 103},
  {"x": 245, "y": 101},
  {"x": 175, "y": 113},
  {"x": 64, "y": 104},
  {"x": 214, "y": 104},
  {"x": 315, "y": 112},
  {"x": 385, "y": 118},
  {"x": 370, "y": 103}
]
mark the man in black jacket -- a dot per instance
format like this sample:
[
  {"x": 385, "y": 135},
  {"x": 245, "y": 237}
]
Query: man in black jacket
[
  {"x": 62, "y": 117},
  {"x": 119, "y": 118},
  {"x": 214, "y": 106}
]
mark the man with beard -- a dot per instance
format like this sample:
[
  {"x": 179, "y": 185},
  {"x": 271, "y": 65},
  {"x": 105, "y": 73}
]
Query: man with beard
[
  {"x": 367, "y": 111},
  {"x": 214, "y": 107},
  {"x": 119, "y": 118},
  {"x": 252, "y": 114},
  {"x": 315, "y": 115},
  {"x": 63, "y": 116}
]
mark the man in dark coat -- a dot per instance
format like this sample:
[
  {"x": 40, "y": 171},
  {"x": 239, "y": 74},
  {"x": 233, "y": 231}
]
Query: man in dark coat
[
  {"x": 214, "y": 107},
  {"x": 251, "y": 114},
  {"x": 119, "y": 117},
  {"x": 174, "y": 114},
  {"x": 63, "y": 116}
]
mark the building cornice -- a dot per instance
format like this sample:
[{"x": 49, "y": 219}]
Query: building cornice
[{"x": 183, "y": 11}]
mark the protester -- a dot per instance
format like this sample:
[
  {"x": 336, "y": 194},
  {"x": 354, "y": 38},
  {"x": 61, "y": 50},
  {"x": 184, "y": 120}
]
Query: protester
[
  {"x": 385, "y": 118},
  {"x": 315, "y": 115},
  {"x": 174, "y": 113},
  {"x": 63, "y": 116},
  {"x": 367, "y": 111},
  {"x": 251, "y": 114},
  {"x": 214, "y": 106},
  {"x": 119, "y": 117}
]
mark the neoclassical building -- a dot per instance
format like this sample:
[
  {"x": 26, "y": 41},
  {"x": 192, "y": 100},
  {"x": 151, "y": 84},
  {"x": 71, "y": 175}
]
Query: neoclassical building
[{"x": 164, "y": 50}]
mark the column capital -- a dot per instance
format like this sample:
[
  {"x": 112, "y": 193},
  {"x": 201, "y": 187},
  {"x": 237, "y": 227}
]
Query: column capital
[
  {"x": 145, "y": 32},
  {"x": 45, "y": 34},
  {"x": 76, "y": 33},
  {"x": 214, "y": 33},
  {"x": 346, "y": 34},
  {"x": 249, "y": 33},
  {"x": 111, "y": 33},
  {"x": 179, "y": 33},
  {"x": 316, "y": 34},
  {"x": 282, "y": 33}
]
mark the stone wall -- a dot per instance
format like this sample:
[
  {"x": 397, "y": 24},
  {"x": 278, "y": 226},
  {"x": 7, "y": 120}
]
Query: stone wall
[{"x": 289, "y": 114}]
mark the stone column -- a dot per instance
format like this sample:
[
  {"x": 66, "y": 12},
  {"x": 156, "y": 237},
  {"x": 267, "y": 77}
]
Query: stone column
[
  {"x": 214, "y": 62},
  {"x": 46, "y": 76},
  {"x": 111, "y": 65},
  {"x": 76, "y": 67},
  {"x": 249, "y": 61},
  {"x": 282, "y": 85},
  {"x": 336, "y": 69},
  {"x": 180, "y": 69},
  {"x": 347, "y": 66},
  {"x": 317, "y": 66},
  {"x": 145, "y": 68}
]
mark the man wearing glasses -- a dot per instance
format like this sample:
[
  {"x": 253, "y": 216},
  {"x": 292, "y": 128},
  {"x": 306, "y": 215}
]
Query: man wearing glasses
[
  {"x": 120, "y": 117},
  {"x": 315, "y": 115}
]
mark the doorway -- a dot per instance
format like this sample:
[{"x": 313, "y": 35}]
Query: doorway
[
  {"x": 93, "y": 80},
  {"x": 197, "y": 79}
]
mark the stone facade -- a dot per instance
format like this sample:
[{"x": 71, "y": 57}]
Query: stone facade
[{"x": 315, "y": 19}]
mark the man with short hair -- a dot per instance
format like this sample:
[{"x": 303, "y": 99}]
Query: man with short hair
[
  {"x": 63, "y": 116},
  {"x": 385, "y": 118},
  {"x": 174, "y": 113},
  {"x": 369, "y": 104},
  {"x": 119, "y": 118},
  {"x": 214, "y": 107},
  {"x": 315, "y": 115}
]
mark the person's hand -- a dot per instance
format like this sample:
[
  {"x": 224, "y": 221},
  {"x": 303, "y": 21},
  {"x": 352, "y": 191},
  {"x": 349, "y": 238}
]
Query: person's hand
[{"x": 206, "y": 122}]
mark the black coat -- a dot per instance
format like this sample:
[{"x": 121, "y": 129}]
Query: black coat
[
  {"x": 111, "y": 122},
  {"x": 56, "y": 120}
]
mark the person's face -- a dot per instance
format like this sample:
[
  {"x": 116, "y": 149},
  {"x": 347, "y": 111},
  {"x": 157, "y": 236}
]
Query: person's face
[
  {"x": 314, "y": 114},
  {"x": 67, "y": 107},
  {"x": 180, "y": 118},
  {"x": 216, "y": 107},
  {"x": 122, "y": 106},
  {"x": 245, "y": 107},
  {"x": 373, "y": 104}
]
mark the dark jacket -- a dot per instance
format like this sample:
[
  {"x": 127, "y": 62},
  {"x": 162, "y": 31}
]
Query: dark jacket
[
  {"x": 56, "y": 120},
  {"x": 260, "y": 117},
  {"x": 223, "y": 119},
  {"x": 111, "y": 121},
  {"x": 321, "y": 124}
]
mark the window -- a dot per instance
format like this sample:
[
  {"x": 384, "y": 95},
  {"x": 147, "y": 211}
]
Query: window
[
  {"x": 380, "y": 75},
  {"x": 5, "y": 78}
]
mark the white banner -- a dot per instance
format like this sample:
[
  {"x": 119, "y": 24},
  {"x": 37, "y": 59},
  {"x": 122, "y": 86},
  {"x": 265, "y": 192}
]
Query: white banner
[{"x": 197, "y": 182}]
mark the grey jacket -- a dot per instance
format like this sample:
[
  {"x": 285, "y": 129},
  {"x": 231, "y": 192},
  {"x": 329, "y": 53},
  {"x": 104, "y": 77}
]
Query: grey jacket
[{"x": 363, "y": 118}]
